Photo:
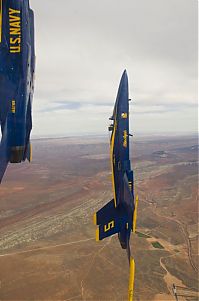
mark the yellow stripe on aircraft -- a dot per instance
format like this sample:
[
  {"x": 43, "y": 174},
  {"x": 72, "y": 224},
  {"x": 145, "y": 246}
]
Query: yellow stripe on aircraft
[
  {"x": 111, "y": 152},
  {"x": 131, "y": 279},
  {"x": 95, "y": 219},
  {"x": 135, "y": 214},
  {"x": 1, "y": 19},
  {"x": 30, "y": 152}
]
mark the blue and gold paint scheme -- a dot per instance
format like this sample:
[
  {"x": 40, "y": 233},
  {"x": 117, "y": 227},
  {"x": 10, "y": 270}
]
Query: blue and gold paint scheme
[
  {"x": 119, "y": 214},
  {"x": 17, "y": 68}
]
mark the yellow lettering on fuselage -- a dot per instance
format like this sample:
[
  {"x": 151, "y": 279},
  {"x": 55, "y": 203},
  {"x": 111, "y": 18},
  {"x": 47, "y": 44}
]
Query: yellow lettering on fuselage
[
  {"x": 125, "y": 138},
  {"x": 124, "y": 115},
  {"x": 13, "y": 106},
  {"x": 15, "y": 30}
]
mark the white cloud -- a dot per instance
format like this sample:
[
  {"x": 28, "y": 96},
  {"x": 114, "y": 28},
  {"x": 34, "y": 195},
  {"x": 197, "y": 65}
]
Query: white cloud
[{"x": 83, "y": 47}]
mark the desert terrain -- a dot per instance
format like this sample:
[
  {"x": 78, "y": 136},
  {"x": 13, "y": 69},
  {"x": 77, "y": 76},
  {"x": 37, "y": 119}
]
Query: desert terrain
[{"x": 47, "y": 237}]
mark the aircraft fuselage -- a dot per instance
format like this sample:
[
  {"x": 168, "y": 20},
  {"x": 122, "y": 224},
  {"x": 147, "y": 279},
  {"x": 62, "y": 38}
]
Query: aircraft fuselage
[
  {"x": 120, "y": 162},
  {"x": 17, "y": 67}
]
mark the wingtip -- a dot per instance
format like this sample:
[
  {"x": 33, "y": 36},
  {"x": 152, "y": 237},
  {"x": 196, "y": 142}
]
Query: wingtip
[
  {"x": 2, "y": 172},
  {"x": 3, "y": 166},
  {"x": 95, "y": 218}
]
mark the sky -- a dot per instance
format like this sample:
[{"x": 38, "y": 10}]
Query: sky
[{"x": 82, "y": 48}]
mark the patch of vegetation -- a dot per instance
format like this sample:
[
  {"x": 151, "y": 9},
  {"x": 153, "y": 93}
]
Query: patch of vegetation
[
  {"x": 140, "y": 234},
  {"x": 177, "y": 251},
  {"x": 169, "y": 232},
  {"x": 157, "y": 245}
]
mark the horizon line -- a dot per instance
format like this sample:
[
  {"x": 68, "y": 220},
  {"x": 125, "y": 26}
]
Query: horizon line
[{"x": 86, "y": 135}]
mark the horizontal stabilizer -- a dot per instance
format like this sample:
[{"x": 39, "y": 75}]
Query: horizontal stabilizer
[
  {"x": 110, "y": 228},
  {"x": 103, "y": 215},
  {"x": 110, "y": 220}
]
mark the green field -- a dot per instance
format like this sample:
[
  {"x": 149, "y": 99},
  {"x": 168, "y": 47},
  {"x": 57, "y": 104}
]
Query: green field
[
  {"x": 140, "y": 234},
  {"x": 157, "y": 245}
]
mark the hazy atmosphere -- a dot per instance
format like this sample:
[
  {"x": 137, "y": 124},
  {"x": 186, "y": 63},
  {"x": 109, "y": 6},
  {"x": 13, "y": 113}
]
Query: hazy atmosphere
[
  {"x": 82, "y": 48},
  {"x": 84, "y": 183}
]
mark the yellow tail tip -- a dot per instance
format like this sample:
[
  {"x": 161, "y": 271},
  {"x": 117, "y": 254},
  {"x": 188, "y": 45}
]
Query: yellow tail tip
[{"x": 97, "y": 234}]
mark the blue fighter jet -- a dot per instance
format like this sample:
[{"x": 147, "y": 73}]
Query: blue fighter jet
[
  {"x": 119, "y": 215},
  {"x": 17, "y": 67}
]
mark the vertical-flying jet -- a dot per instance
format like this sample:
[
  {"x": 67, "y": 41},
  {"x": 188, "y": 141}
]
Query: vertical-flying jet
[
  {"x": 119, "y": 215},
  {"x": 17, "y": 67}
]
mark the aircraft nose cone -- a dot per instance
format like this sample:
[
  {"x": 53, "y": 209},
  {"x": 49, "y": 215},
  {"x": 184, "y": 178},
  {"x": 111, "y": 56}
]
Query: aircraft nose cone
[{"x": 124, "y": 78}]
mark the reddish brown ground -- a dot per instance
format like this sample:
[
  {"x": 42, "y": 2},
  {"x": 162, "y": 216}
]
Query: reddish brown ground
[{"x": 47, "y": 246}]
